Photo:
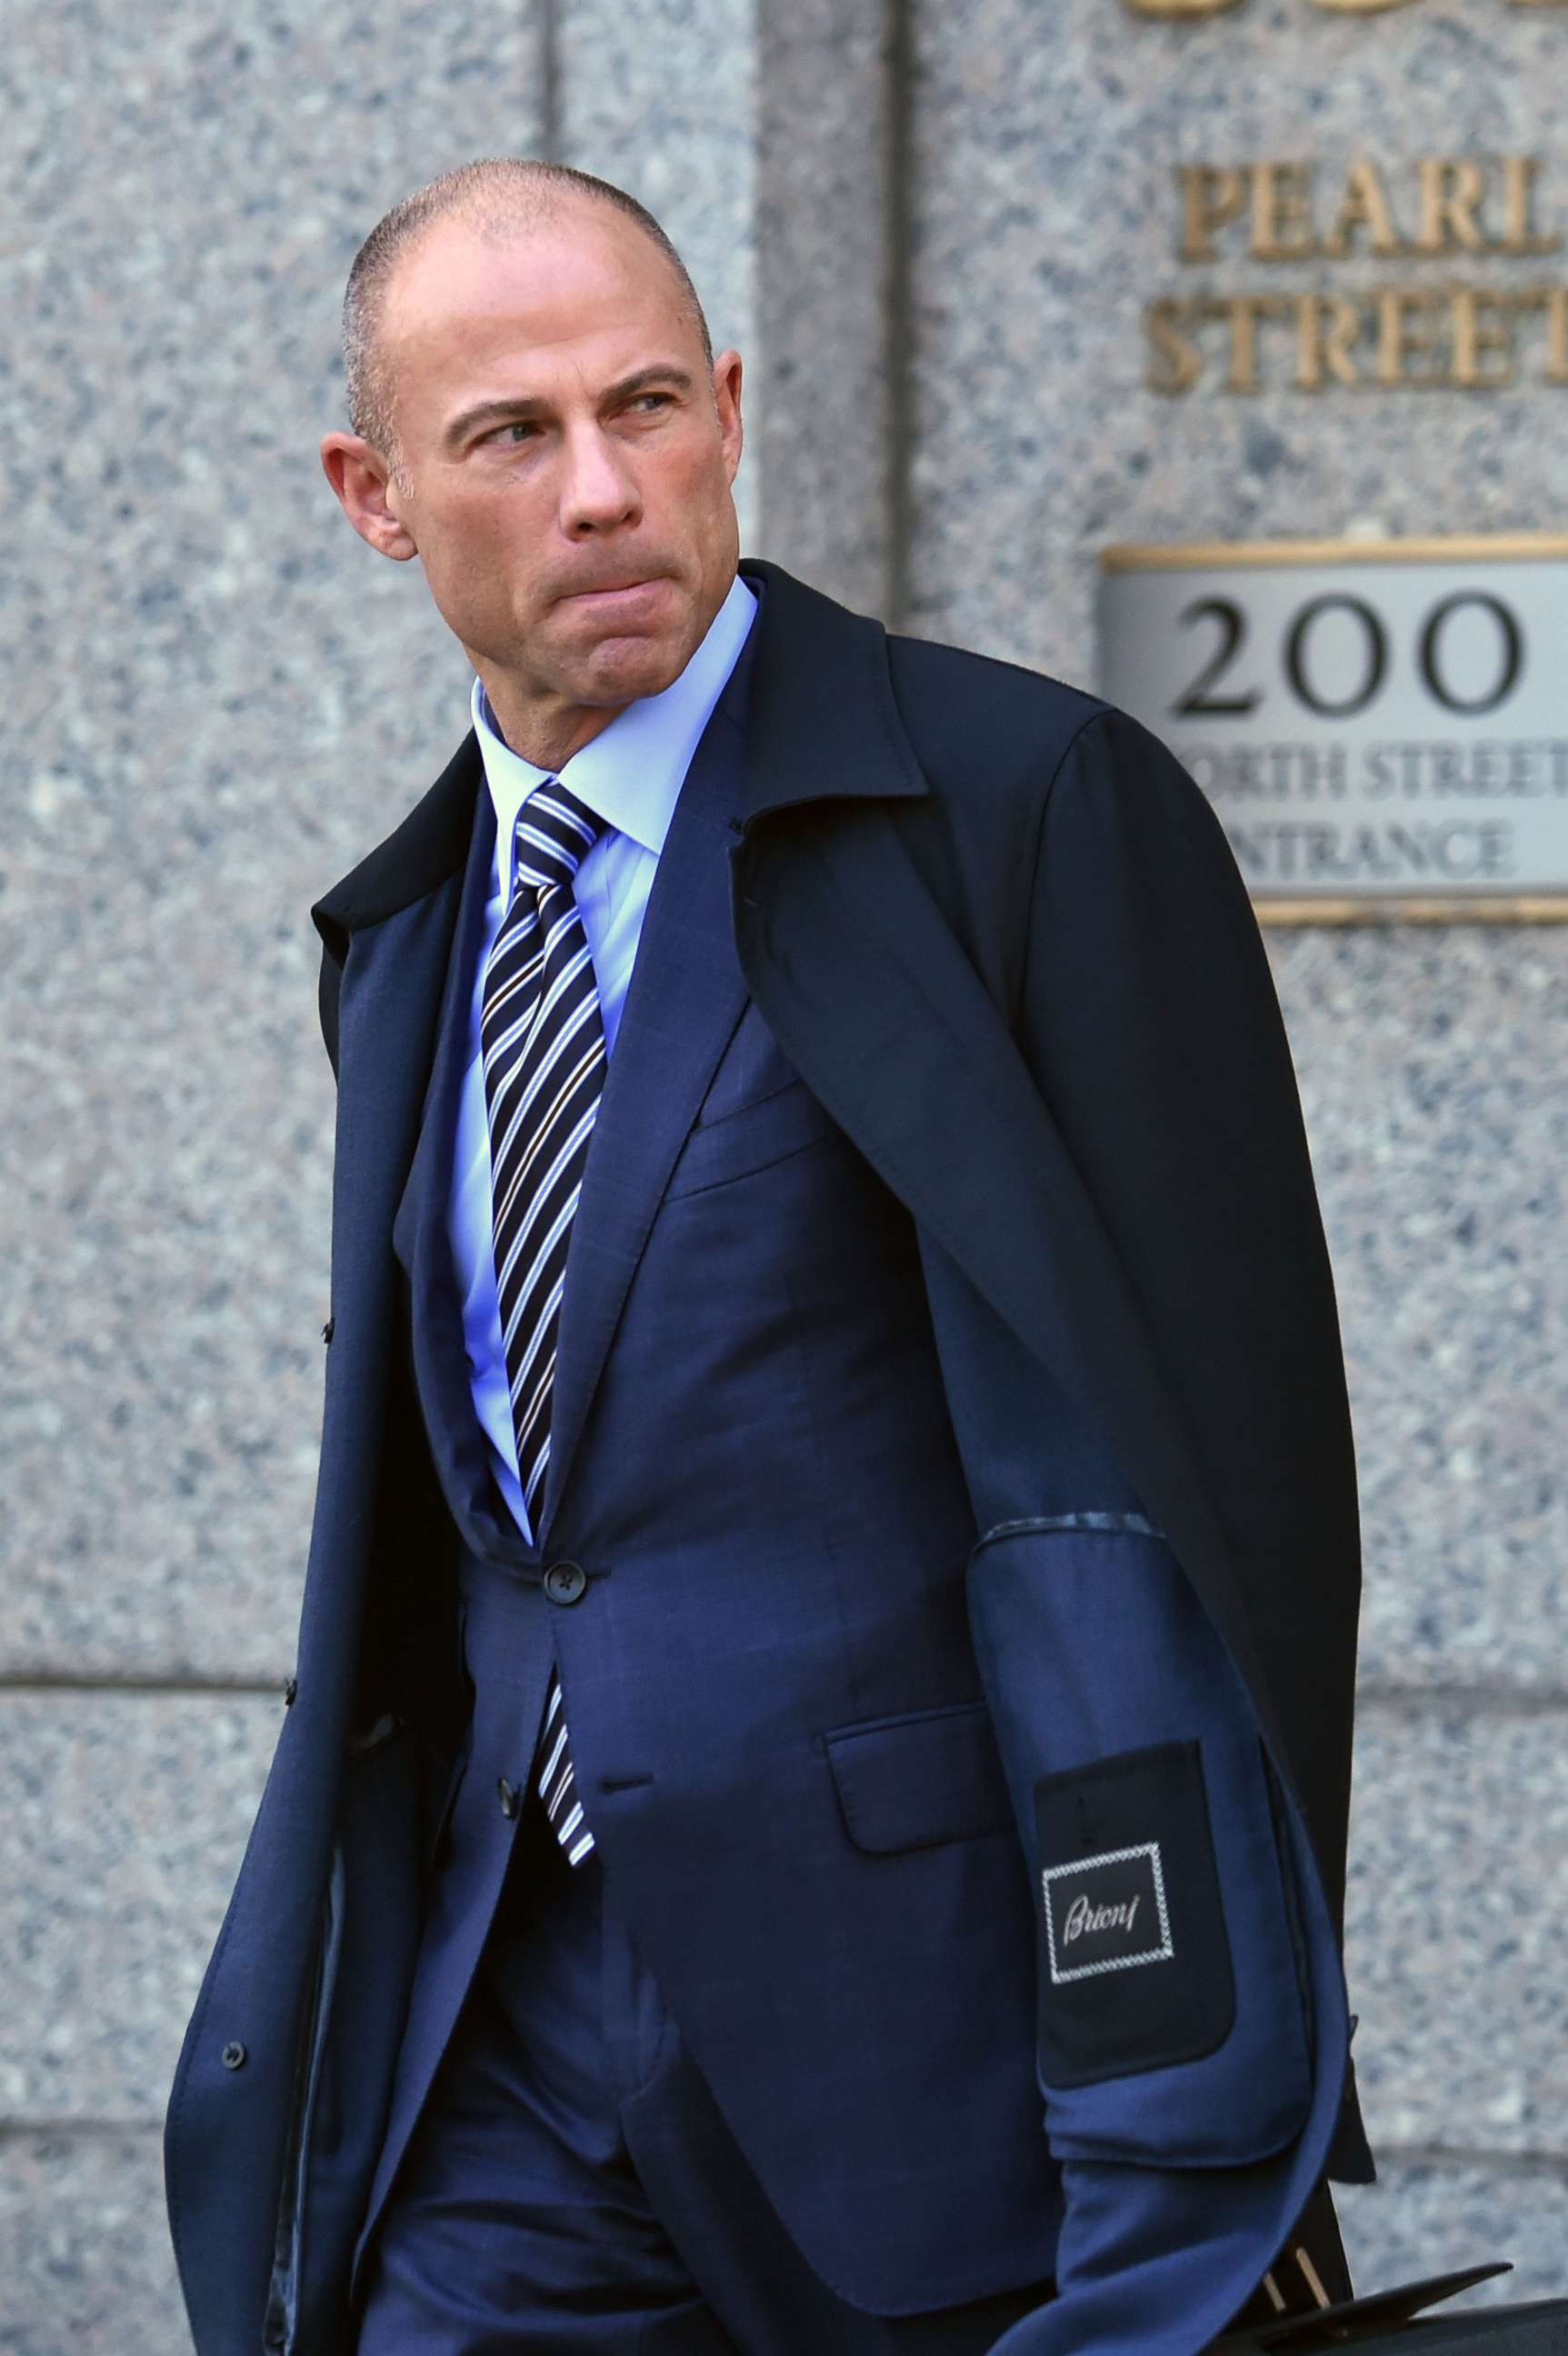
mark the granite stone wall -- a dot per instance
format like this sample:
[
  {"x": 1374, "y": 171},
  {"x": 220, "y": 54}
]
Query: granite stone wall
[
  {"x": 929, "y": 230},
  {"x": 214, "y": 697}
]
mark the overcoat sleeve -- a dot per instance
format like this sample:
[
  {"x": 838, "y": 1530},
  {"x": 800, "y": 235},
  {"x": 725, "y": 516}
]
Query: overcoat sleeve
[
  {"x": 1172, "y": 1683},
  {"x": 1149, "y": 1020}
]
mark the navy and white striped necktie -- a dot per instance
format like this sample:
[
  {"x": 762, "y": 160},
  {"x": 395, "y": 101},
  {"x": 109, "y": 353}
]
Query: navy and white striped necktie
[{"x": 543, "y": 1045}]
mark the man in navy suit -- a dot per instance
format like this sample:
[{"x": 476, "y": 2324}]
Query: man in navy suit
[{"x": 812, "y": 1814}]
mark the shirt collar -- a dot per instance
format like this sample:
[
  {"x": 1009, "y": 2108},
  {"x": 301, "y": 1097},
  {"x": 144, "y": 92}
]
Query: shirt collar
[{"x": 631, "y": 773}]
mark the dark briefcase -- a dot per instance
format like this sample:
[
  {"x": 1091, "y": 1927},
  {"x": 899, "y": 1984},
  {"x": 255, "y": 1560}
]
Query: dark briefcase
[{"x": 1396, "y": 2323}]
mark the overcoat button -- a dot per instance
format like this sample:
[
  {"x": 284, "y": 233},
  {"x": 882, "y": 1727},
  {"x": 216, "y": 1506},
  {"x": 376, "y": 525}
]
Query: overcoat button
[
  {"x": 233, "y": 2056},
  {"x": 565, "y": 1582},
  {"x": 510, "y": 1797}
]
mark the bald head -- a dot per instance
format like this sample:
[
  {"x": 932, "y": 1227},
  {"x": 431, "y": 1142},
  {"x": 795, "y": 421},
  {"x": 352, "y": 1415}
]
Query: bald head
[
  {"x": 498, "y": 198},
  {"x": 541, "y": 422}
]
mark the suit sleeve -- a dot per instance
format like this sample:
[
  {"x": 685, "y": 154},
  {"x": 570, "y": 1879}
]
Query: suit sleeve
[{"x": 1192, "y": 2033}]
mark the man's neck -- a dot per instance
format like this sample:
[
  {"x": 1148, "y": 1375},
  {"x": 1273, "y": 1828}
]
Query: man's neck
[
  {"x": 547, "y": 734},
  {"x": 547, "y": 739}
]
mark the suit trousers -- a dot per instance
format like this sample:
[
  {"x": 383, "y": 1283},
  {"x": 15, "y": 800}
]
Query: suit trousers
[{"x": 571, "y": 2185}]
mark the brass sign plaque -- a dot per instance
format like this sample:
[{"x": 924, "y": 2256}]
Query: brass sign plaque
[{"x": 1382, "y": 725}]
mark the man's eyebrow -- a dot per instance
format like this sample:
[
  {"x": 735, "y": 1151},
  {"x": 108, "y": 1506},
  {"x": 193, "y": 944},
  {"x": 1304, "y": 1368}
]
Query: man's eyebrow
[
  {"x": 522, "y": 406},
  {"x": 645, "y": 379}
]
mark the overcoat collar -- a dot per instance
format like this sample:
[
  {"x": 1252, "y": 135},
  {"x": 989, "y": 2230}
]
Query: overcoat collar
[
  {"x": 414, "y": 861},
  {"x": 824, "y": 724}
]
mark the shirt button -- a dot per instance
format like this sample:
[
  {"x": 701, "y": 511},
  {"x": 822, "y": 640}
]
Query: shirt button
[
  {"x": 510, "y": 1798},
  {"x": 565, "y": 1582}
]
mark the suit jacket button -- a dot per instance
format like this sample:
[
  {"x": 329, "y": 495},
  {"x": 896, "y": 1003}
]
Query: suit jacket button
[
  {"x": 330, "y": 1329},
  {"x": 510, "y": 1797},
  {"x": 565, "y": 1582},
  {"x": 233, "y": 2055}
]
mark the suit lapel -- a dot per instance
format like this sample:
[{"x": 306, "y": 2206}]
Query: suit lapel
[{"x": 685, "y": 998}]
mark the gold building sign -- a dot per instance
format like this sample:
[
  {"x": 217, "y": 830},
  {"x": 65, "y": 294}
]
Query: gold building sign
[{"x": 1474, "y": 334}]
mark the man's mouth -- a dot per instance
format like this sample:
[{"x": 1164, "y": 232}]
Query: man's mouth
[{"x": 620, "y": 596}]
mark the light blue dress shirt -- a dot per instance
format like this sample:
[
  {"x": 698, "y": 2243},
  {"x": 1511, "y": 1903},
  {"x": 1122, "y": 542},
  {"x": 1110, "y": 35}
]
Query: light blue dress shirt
[{"x": 631, "y": 775}]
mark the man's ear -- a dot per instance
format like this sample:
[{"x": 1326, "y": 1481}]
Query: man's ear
[
  {"x": 726, "y": 403},
  {"x": 362, "y": 481}
]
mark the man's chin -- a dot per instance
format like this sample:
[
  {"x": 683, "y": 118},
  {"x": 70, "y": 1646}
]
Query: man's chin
[{"x": 624, "y": 669}]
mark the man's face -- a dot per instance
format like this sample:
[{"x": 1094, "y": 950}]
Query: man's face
[{"x": 566, "y": 460}]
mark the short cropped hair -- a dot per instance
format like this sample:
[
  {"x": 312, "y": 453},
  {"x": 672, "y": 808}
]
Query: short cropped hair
[{"x": 497, "y": 194}]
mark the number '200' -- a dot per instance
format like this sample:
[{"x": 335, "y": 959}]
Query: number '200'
[{"x": 1203, "y": 699}]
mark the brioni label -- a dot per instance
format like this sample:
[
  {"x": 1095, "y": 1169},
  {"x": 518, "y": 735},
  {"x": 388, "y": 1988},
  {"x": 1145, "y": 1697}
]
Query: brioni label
[{"x": 1106, "y": 1913}]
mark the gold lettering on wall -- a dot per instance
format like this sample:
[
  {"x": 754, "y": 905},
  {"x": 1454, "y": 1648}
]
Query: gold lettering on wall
[
  {"x": 1395, "y": 338},
  {"x": 1282, "y": 212},
  {"x": 1175, "y": 361},
  {"x": 1458, "y": 205},
  {"x": 1482, "y": 323},
  {"x": 1451, "y": 189},
  {"x": 1363, "y": 206},
  {"x": 1410, "y": 335},
  {"x": 1327, "y": 326},
  {"x": 1211, "y": 198},
  {"x": 1407, "y": 332},
  {"x": 1552, "y": 303},
  {"x": 1518, "y": 199}
]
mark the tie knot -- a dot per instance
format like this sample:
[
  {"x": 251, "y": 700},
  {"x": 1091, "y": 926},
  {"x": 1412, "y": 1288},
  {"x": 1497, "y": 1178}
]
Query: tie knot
[{"x": 555, "y": 831}]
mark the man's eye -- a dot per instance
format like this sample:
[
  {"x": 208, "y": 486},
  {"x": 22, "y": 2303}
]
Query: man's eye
[
  {"x": 649, "y": 402},
  {"x": 514, "y": 434}
]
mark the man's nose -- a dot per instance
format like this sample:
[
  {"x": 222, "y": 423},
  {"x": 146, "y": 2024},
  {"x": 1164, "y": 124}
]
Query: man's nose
[{"x": 599, "y": 493}]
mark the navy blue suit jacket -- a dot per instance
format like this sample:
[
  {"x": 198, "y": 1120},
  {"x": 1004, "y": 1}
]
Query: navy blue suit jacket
[{"x": 995, "y": 934}]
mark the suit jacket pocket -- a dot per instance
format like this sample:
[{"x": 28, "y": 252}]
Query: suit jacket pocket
[
  {"x": 914, "y": 1782},
  {"x": 752, "y": 1138}
]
